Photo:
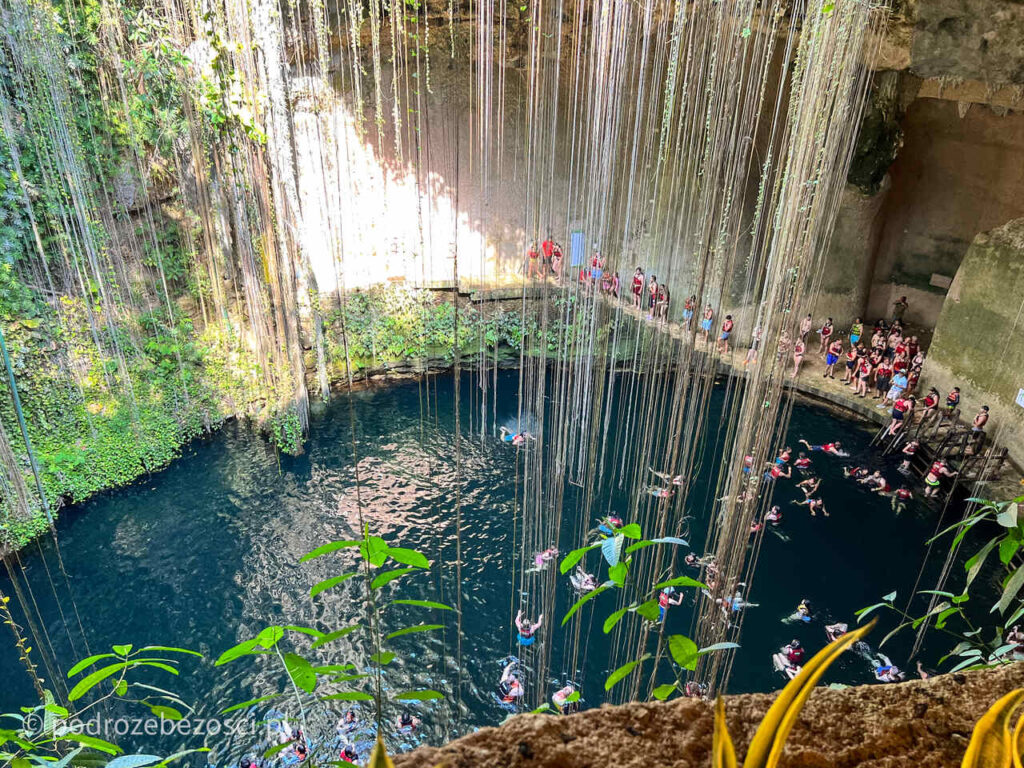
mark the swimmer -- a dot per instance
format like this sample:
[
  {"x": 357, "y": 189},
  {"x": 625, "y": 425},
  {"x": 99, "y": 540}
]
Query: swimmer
[
  {"x": 857, "y": 473},
  {"x": 509, "y": 687},
  {"x": 665, "y": 600},
  {"x": 836, "y": 448},
  {"x": 735, "y": 604},
  {"x": 802, "y": 461},
  {"x": 660, "y": 493},
  {"x": 784, "y": 457},
  {"x": 406, "y": 722},
  {"x": 789, "y": 659},
  {"x": 348, "y": 722},
  {"x": 936, "y": 472},
  {"x": 541, "y": 560},
  {"x": 695, "y": 690},
  {"x": 814, "y": 505},
  {"x": 691, "y": 560},
  {"x": 560, "y": 699},
  {"x": 775, "y": 471},
  {"x": 582, "y": 581},
  {"x": 908, "y": 453},
  {"x": 670, "y": 479},
  {"x": 885, "y": 671},
  {"x": 526, "y": 629},
  {"x": 773, "y": 515},
  {"x": 1017, "y": 637},
  {"x": 349, "y": 754},
  {"x": 900, "y": 499},
  {"x": 835, "y": 631},
  {"x": 755, "y": 527},
  {"x": 516, "y": 438},
  {"x": 809, "y": 486}
]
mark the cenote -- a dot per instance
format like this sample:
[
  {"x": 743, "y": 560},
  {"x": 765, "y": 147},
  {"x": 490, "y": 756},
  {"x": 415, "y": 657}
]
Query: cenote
[{"x": 206, "y": 553}]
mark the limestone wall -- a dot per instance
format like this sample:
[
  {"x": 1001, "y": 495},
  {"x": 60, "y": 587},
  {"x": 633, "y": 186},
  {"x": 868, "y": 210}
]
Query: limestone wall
[{"x": 979, "y": 339}]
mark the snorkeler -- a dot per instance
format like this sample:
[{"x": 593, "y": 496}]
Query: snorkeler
[
  {"x": 516, "y": 438},
  {"x": 666, "y": 477},
  {"x": 836, "y": 448},
  {"x": 665, "y": 600},
  {"x": 406, "y": 722},
  {"x": 509, "y": 687},
  {"x": 526, "y": 629},
  {"x": 560, "y": 699}
]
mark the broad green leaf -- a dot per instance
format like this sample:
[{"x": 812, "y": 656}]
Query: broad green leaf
[
  {"x": 122, "y": 650},
  {"x": 1007, "y": 517},
  {"x": 133, "y": 761},
  {"x": 662, "y": 692},
  {"x": 177, "y": 755},
  {"x": 1007, "y": 549},
  {"x": 93, "y": 743},
  {"x": 766, "y": 747},
  {"x": 1013, "y": 585},
  {"x": 991, "y": 744},
  {"x": 88, "y": 662},
  {"x": 56, "y": 709},
  {"x": 973, "y": 566},
  {"x": 242, "y": 649},
  {"x": 87, "y": 683},
  {"x": 348, "y": 678},
  {"x": 631, "y": 531},
  {"x": 864, "y": 612},
  {"x": 275, "y": 750},
  {"x": 300, "y": 671},
  {"x": 611, "y": 548},
  {"x": 684, "y": 651},
  {"x": 374, "y": 550},
  {"x": 419, "y": 695},
  {"x": 574, "y": 557},
  {"x": 388, "y": 576},
  {"x": 723, "y": 754},
  {"x": 121, "y": 688},
  {"x": 165, "y": 713},
  {"x": 348, "y": 696},
  {"x": 270, "y": 636},
  {"x": 331, "y": 582},
  {"x": 680, "y": 581},
  {"x": 582, "y": 601},
  {"x": 572, "y": 697},
  {"x": 618, "y": 572},
  {"x": 170, "y": 648},
  {"x": 613, "y": 619},
  {"x": 333, "y": 546},
  {"x": 718, "y": 647},
  {"x": 309, "y": 632},
  {"x": 616, "y": 676},
  {"x": 408, "y": 557},
  {"x": 383, "y": 658},
  {"x": 423, "y": 604},
  {"x": 332, "y": 636},
  {"x": 416, "y": 628},
  {"x": 648, "y": 609},
  {"x": 250, "y": 703}
]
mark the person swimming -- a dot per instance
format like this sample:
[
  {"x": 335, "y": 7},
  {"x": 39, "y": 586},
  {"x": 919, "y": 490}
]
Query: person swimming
[
  {"x": 542, "y": 559},
  {"x": 886, "y": 671},
  {"x": 516, "y": 438},
  {"x": 582, "y": 581},
  {"x": 773, "y": 515},
  {"x": 660, "y": 493},
  {"x": 406, "y": 722},
  {"x": 348, "y": 753},
  {"x": 835, "y": 631},
  {"x": 789, "y": 659},
  {"x": 526, "y": 629},
  {"x": 667, "y": 478},
  {"x": 803, "y": 611},
  {"x": 509, "y": 687},
  {"x": 348, "y": 722},
  {"x": 802, "y": 461},
  {"x": 836, "y": 448}
]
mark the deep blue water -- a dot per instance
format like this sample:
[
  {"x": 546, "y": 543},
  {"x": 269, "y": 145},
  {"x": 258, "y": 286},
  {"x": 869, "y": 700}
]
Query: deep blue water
[{"x": 206, "y": 553}]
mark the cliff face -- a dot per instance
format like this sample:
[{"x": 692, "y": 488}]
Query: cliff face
[{"x": 919, "y": 724}]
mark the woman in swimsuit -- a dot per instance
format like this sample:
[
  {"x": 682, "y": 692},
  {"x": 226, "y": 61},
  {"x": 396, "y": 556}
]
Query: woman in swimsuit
[
  {"x": 798, "y": 356},
  {"x": 526, "y": 629},
  {"x": 637, "y": 287}
]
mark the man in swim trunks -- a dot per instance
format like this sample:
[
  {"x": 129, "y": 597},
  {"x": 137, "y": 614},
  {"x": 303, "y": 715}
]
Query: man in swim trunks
[
  {"x": 723, "y": 339},
  {"x": 900, "y": 499},
  {"x": 805, "y": 327},
  {"x": 980, "y": 420},
  {"x": 705, "y": 323},
  {"x": 835, "y": 349}
]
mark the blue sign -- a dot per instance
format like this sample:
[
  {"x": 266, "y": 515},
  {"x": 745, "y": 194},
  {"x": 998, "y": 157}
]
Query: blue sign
[{"x": 577, "y": 249}]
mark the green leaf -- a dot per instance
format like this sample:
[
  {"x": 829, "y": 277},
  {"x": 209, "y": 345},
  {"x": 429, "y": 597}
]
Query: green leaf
[
  {"x": 618, "y": 572},
  {"x": 890, "y": 597},
  {"x": 235, "y": 652},
  {"x": 973, "y": 565},
  {"x": 944, "y": 616},
  {"x": 93, "y": 743},
  {"x": 88, "y": 663},
  {"x": 170, "y": 648},
  {"x": 680, "y": 581},
  {"x": 423, "y": 604},
  {"x": 574, "y": 557},
  {"x": 408, "y": 557},
  {"x": 383, "y": 658},
  {"x": 270, "y": 636},
  {"x": 387, "y": 576},
  {"x": 1007, "y": 517},
  {"x": 582, "y": 601},
  {"x": 331, "y": 582},
  {"x": 613, "y": 619},
  {"x": 1007, "y": 549},
  {"x": 176, "y": 755},
  {"x": 97, "y": 677},
  {"x": 348, "y": 696},
  {"x": 300, "y": 671},
  {"x": 250, "y": 703},
  {"x": 1013, "y": 585},
  {"x": 572, "y": 697},
  {"x": 332, "y": 636},
  {"x": 631, "y": 531},
  {"x": 165, "y": 713},
  {"x": 416, "y": 628},
  {"x": 419, "y": 695},
  {"x": 718, "y": 647},
  {"x": 622, "y": 671},
  {"x": 611, "y": 548},
  {"x": 333, "y": 546},
  {"x": 122, "y": 650},
  {"x": 121, "y": 688},
  {"x": 684, "y": 651},
  {"x": 662, "y": 692},
  {"x": 374, "y": 550},
  {"x": 648, "y": 609},
  {"x": 276, "y": 749},
  {"x": 864, "y": 612}
]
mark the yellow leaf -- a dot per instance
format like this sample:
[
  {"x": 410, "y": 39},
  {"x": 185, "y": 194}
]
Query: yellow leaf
[
  {"x": 1018, "y": 740},
  {"x": 379, "y": 757},
  {"x": 991, "y": 743},
  {"x": 766, "y": 747},
  {"x": 723, "y": 755}
]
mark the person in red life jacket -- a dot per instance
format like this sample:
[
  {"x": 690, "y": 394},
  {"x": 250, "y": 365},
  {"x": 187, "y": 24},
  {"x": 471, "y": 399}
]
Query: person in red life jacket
[
  {"x": 534, "y": 265},
  {"x": 510, "y": 688},
  {"x": 665, "y": 600},
  {"x": 652, "y": 296},
  {"x": 952, "y": 401},
  {"x": 794, "y": 653},
  {"x": 902, "y": 410},
  {"x": 836, "y": 448},
  {"x": 798, "y": 356},
  {"x": 661, "y": 307},
  {"x": 637, "y": 287},
  {"x": 908, "y": 453},
  {"x": 825, "y": 334},
  {"x": 929, "y": 403},
  {"x": 809, "y": 486},
  {"x": 775, "y": 471},
  {"x": 936, "y": 472},
  {"x": 900, "y": 499},
  {"x": 802, "y": 461},
  {"x": 596, "y": 268},
  {"x": 550, "y": 250},
  {"x": 851, "y": 366},
  {"x": 899, "y": 364},
  {"x": 689, "y": 307},
  {"x": 883, "y": 375},
  {"x": 814, "y": 505},
  {"x": 863, "y": 374},
  {"x": 723, "y": 339},
  {"x": 857, "y": 473},
  {"x": 835, "y": 349},
  {"x": 773, "y": 515}
]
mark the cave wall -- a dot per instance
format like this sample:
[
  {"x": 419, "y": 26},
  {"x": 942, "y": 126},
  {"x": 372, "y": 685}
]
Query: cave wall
[{"x": 979, "y": 338}]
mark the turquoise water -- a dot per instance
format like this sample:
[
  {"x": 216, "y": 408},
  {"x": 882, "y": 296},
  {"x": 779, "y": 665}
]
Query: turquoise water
[{"x": 206, "y": 553}]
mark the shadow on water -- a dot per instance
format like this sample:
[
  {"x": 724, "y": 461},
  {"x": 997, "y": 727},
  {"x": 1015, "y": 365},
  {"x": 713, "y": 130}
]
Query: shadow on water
[{"x": 206, "y": 553}]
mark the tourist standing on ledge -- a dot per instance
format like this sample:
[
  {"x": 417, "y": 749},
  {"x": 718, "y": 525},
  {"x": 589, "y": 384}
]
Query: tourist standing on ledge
[
  {"x": 637, "y": 287},
  {"x": 826, "y": 336},
  {"x": 723, "y": 339},
  {"x": 899, "y": 308},
  {"x": 533, "y": 263}
]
